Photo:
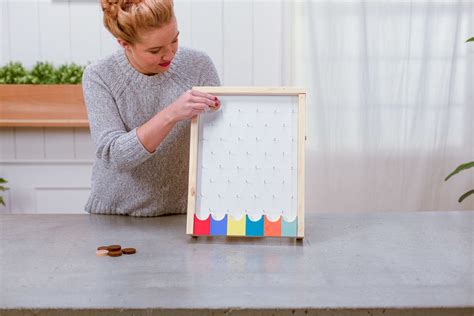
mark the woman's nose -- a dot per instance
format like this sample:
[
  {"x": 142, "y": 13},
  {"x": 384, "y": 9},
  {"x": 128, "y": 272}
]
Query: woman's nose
[{"x": 168, "y": 55}]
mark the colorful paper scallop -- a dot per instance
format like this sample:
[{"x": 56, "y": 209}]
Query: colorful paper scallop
[
  {"x": 245, "y": 226},
  {"x": 236, "y": 227},
  {"x": 272, "y": 229},
  {"x": 219, "y": 227},
  {"x": 254, "y": 228},
  {"x": 289, "y": 229},
  {"x": 202, "y": 227}
]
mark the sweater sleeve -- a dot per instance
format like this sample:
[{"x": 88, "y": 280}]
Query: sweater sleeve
[
  {"x": 116, "y": 147},
  {"x": 209, "y": 75}
]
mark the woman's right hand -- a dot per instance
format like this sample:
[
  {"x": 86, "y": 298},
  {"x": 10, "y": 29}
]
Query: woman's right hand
[{"x": 192, "y": 103}]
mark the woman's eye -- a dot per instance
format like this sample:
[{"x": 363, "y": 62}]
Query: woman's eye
[{"x": 156, "y": 52}]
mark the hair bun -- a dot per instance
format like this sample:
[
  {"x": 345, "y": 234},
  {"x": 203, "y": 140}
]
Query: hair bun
[
  {"x": 112, "y": 7},
  {"x": 126, "y": 19}
]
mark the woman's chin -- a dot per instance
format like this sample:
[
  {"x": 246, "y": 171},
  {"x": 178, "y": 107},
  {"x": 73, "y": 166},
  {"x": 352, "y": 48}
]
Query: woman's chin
[{"x": 155, "y": 71}]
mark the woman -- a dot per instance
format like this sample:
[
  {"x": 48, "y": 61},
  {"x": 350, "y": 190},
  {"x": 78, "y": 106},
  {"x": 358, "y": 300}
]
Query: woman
[{"x": 139, "y": 105}]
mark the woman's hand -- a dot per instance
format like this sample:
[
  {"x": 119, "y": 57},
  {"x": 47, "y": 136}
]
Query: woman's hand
[{"x": 192, "y": 103}]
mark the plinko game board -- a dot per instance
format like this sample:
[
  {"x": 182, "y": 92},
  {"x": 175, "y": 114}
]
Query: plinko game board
[{"x": 246, "y": 173}]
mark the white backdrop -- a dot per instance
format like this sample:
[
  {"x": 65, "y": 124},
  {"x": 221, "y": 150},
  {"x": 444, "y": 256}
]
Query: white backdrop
[
  {"x": 246, "y": 40},
  {"x": 392, "y": 92}
]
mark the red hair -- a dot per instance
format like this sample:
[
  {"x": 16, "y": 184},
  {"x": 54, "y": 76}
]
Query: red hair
[{"x": 125, "y": 19}]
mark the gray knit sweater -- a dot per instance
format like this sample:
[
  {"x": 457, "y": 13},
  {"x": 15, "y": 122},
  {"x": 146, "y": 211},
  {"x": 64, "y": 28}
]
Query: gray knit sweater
[{"x": 126, "y": 178}]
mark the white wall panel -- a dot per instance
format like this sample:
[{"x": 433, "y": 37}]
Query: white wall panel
[
  {"x": 85, "y": 26},
  {"x": 5, "y": 38},
  {"x": 29, "y": 143},
  {"x": 5, "y": 209},
  {"x": 7, "y": 143},
  {"x": 267, "y": 43},
  {"x": 238, "y": 40},
  {"x": 58, "y": 143},
  {"x": 23, "y": 29},
  {"x": 54, "y": 39},
  {"x": 47, "y": 173},
  {"x": 72, "y": 200},
  {"x": 206, "y": 31},
  {"x": 83, "y": 145},
  {"x": 22, "y": 198},
  {"x": 26, "y": 176}
]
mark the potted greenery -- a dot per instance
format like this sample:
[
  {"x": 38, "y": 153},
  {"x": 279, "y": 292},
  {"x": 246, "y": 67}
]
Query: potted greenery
[
  {"x": 463, "y": 166},
  {"x": 2, "y": 188},
  {"x": 43, "y": 96}
]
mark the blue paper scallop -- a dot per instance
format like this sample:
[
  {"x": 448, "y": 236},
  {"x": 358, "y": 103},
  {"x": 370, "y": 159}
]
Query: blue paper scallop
[
  {"x": 219, "y": 228},
  {"x": 254, "y": 229}
]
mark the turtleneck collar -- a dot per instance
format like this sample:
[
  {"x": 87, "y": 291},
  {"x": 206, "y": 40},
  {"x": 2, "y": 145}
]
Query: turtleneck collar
[{"x": 142, "y": 79}]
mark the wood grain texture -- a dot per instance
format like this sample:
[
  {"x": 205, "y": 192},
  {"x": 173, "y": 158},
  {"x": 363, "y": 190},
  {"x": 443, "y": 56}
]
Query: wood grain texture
[
  {"x": 42, "y": 106},
  {"x": 193, "y": 156},
  {"x": 301, "y": 162},
  {"x": 252, "y": 90}
]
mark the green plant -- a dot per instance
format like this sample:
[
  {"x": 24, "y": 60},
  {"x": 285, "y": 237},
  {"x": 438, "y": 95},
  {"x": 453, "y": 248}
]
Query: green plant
[
  {"x": 457, "y": 170},
  {"x": 2, "y": 188},
  {"x": 70, "y": 74},
  {"x": 12, "y": 73},
  {"x": 463, "y": 166},
  {"x": 41, "y": 73}
]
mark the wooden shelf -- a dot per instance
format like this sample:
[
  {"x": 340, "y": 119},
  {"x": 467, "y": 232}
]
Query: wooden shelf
[{"x": 42, "y": 106}]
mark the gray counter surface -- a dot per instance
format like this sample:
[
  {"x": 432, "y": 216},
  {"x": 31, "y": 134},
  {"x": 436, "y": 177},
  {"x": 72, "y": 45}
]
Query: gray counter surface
[{"x": 370, "y": 261}]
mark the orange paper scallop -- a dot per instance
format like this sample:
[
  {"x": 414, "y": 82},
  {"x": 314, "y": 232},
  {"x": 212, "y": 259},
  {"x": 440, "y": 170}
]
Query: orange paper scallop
[{"x": 272, "y": 229}]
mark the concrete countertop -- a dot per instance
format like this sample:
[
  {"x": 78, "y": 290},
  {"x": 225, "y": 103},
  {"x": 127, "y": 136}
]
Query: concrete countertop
[{"x": 371, "y": 262}]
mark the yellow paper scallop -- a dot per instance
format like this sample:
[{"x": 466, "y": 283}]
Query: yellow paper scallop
[{"x": 235, "y": 227}]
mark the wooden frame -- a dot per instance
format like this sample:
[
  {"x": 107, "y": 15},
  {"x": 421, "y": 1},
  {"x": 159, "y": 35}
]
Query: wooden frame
[{"x": 250, "y": 91}]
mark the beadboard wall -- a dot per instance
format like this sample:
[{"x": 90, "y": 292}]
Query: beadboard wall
[{"x": 49, "y": 169}]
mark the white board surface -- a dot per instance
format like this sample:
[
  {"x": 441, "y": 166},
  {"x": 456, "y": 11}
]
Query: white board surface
[{"x": 247, "y": 158}]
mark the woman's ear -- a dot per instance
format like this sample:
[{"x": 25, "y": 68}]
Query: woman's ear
[{"x": 123, "y": 43}]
